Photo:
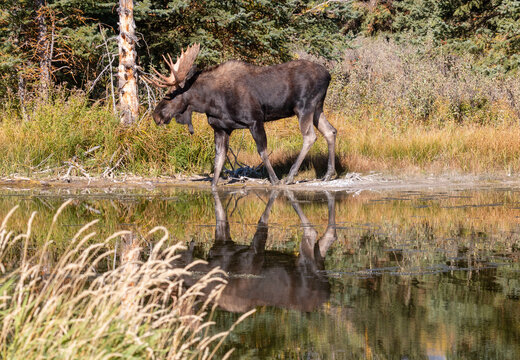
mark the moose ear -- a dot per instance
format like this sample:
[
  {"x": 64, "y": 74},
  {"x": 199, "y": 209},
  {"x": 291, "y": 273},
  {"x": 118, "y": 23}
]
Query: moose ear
[{"x": 191, "y": 73}]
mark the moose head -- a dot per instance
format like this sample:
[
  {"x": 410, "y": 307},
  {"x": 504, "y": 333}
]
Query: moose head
[{"x": 173, "y": 105}]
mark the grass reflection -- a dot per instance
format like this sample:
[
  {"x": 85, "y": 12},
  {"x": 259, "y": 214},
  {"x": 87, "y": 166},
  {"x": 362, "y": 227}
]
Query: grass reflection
[{"x": 412, "y": 274}]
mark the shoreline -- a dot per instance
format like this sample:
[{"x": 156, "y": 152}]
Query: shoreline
[{"x": 352, "y": 182}]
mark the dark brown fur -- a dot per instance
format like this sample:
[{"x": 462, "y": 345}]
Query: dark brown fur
[{"x": 237, "y": 95}]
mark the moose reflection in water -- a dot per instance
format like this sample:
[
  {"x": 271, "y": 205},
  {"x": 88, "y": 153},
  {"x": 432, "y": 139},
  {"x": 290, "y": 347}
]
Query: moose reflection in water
[{"x": 259, "y": 277}]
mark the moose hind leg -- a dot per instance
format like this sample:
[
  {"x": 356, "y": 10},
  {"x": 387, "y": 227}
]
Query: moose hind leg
[
  {"x": 221, "y": 148},
  {"x": 330, "y": 235},
  {"x": 258, "y": 133},
  {"x": 309, "y": 137},
  {"x": 329, "y": 133}
]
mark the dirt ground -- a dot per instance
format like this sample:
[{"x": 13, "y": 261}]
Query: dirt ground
[{"x": 352, "y": 182}]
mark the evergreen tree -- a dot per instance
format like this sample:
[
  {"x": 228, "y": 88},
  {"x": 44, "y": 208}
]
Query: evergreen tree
[
  {"x": 15, "y": 54},
  {"x": 258, "y": 31},
  {"x": 489, "y": 29},
  {"x": 82, "y": 33}
]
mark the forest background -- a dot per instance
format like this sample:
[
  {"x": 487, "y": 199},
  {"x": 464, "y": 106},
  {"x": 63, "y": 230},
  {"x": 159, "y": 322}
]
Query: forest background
[{"x": 428, "y": 86}]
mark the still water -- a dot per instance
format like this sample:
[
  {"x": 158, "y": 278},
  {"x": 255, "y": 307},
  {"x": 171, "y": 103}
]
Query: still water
[{"x": 431, "y": 274}]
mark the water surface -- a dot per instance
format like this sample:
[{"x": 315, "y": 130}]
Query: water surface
[{"x": 333, "y": 275}]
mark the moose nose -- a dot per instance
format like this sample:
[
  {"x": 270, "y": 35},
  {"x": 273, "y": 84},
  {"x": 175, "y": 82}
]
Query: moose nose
[{"x": 157, "y": 118}]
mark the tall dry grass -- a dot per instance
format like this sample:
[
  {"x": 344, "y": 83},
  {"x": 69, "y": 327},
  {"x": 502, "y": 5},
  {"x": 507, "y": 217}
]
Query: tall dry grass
[
  {"x": 74, "y": 310},
  {"x": 70, "y": 136},
  {"x": 397, "y": 107}
]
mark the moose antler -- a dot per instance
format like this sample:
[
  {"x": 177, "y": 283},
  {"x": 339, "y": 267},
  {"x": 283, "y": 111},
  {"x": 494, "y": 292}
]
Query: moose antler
[{"x": 178, "y": 71}]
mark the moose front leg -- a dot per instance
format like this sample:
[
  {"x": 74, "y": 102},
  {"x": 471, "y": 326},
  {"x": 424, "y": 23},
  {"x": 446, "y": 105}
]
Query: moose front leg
[
  {"x": 222, "y": 233},
  {"x": 260, "y": 238},
  {"x": 258, "y": 132},
  {"x": 221, "y": 148}
]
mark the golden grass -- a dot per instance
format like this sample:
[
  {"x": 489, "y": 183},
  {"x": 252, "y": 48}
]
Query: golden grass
[
  {"x": 376, "y": 144},
  {"x": 71, "y": 137},
  {"x": 74, "y": 310}
]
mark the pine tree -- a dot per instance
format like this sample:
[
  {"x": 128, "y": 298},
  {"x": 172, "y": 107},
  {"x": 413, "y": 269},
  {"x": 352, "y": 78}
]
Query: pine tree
[{"x": 488, "y": 29}]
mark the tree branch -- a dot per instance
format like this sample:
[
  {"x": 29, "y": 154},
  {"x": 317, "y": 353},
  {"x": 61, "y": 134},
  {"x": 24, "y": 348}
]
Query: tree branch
[{"x": 322, "y": 5}]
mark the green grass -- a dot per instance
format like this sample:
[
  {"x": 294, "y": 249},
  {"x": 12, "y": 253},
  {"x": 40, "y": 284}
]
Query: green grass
[
  {"x": 68, "y": 135},
  {"x": 71, "y": 132}
]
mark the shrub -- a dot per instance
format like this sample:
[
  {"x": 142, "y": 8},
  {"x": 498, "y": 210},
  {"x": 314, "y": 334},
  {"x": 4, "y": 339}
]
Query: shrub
[{"x": 418, "y": 81}]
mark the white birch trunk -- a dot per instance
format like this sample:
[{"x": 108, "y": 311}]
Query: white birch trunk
[{"x": 128, "y": 101}]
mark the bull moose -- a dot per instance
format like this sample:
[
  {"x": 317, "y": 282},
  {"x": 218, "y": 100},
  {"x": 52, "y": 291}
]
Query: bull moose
[{"x": 237, "y": 95}]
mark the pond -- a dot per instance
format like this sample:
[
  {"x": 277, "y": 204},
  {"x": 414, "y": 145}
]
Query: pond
[{"x": 423, "y": 274}]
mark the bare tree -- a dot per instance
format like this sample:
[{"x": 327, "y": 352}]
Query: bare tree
[
  {"x": 127, "y": 72},
  {"x": 43, "y": 48}
]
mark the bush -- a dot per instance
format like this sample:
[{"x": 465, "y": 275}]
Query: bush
[{"x": 417, "y": 81}]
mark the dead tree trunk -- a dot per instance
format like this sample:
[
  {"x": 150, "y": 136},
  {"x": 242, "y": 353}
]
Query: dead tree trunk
[
  {"x": 15, "y": 39},
  {"x": 43, "y": 49},
  {"x": 128, "y": 101}
]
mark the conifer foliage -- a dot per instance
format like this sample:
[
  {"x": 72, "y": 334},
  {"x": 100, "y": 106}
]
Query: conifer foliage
[
  {"x": 73, "y": 43},
  {"x": 84, "y": 34}
]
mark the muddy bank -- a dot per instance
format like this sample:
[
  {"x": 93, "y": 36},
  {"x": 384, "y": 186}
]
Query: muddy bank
[{"x": 350, "y": 182}]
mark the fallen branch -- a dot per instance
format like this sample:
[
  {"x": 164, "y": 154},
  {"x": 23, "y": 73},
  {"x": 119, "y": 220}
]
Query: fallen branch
[
  {"x": 42, "y": 162},
  {"x": 108, "y": 171}
]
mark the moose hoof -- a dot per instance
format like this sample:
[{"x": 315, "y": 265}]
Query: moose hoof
[
  {"x": 327, "y": 177},
  {"x": 288, "y": 181}
]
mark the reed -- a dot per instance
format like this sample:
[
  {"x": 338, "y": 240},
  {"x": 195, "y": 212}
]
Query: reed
[{"x": 82, "y": 307}]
